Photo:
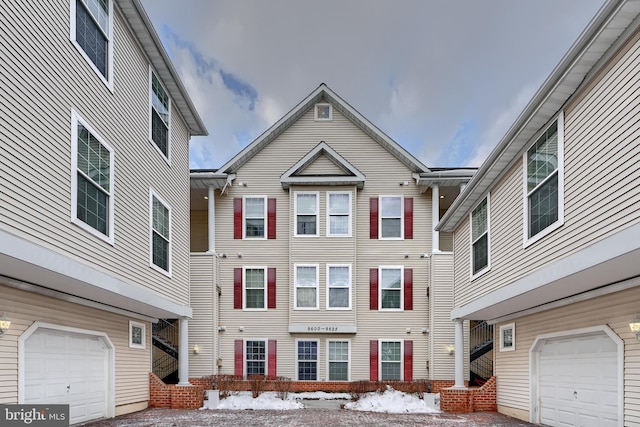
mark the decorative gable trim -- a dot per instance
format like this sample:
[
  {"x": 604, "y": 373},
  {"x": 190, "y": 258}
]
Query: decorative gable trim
[{"x": 352, "y": 176}]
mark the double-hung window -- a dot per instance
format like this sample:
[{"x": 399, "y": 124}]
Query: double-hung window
[
  {"x": 160, "y": 106},
  {"x": 306, "y": 207},
  {"x": 306, "y": 283},
  {"x": 307, "y": 360},
  {"x": 338, "y": 360},
  {"x": 92, "y": 179},
  {"x": 160, "y": 233},
  {"x": 480, "y": 237},
  {"x": 91, "y": 32},
  {"x": 339, "y": 287},
  {"x": 256, "y": 357},
  {"x": 255, "y": 215},
  {"x": 255, "y": 288},
  {"x": 391, "y": 287},
  {"x": 391, "y": 217},
  {"x": 339, "y": 214},
  {"x": 544, "y": 183},
  {"x": 390, "y": 360}
]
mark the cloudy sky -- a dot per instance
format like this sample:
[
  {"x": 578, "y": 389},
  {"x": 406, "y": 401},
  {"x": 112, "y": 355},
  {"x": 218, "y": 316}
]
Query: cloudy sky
[{"x": 444, "y": 79}]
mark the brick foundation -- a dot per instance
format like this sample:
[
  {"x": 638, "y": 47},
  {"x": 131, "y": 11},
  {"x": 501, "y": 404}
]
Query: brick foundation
[
  {"x": 174, "y": 396},
  {"x": 474, "y": 399}
]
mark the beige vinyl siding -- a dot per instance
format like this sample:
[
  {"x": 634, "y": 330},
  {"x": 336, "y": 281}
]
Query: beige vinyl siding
[
  {"x": 601, "y": 175},
  {"x": 442, "y": 327},
  {"x": 203, "y": 329},
  {"x": 36, "y": 126},
  {"x": 199, "y": 231},
  {"x": 262, "y": 175},
  {"x": 132, "y": 366},
  {"x": 614, "y": 310},
  {"x": 322, "y": 166}
]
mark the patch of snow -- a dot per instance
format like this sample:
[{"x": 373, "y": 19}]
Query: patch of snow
[
  {"x": 395, "y": 402},
  {"x": 267, "y": 400}
]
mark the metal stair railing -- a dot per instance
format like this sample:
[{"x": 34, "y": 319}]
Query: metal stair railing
[{"x": 480, "y": 340}]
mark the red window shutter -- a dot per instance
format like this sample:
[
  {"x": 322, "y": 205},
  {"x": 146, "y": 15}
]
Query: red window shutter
[
  {"x": 408, "y": 288},
  {"x": 408, "y": 218},
  {"x": 373, "y": 218},
  {"x": 237, "y": 288},
  {"x": 271, "y": 288},
  {"x": 373, "y": 360},
  {"x": 272, "y": 365},
  {"x": 271, "y": 218},
  {"x": 237, "y": 218},
  {"x": 238, "y": 358},
  {"x": 373, "y": 289},
  {"x": 408, "y": 360}
]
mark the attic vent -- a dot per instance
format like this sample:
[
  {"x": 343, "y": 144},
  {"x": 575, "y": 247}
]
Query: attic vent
[{"x": 323, "y": 112}]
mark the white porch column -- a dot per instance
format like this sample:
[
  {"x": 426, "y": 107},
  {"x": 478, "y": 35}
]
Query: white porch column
[
  {"x": 459, "y": 355},
  {"x": 183, "y": 353},
  {"x": 435, "y": 217},
  {"x": 211, "y": 220}
]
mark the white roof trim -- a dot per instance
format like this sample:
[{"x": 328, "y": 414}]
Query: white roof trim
[
  {"x": 323, "y": 92},
  {"x": 353, "y": 175}
]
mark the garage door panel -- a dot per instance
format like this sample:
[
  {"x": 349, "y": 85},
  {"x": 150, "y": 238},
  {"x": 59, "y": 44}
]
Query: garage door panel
[
  {"x": 578, "y": 381},
  {"x": 67, "y": 368}
]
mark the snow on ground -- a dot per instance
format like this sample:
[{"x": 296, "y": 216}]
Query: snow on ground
[{"x": 391, "y": 401}]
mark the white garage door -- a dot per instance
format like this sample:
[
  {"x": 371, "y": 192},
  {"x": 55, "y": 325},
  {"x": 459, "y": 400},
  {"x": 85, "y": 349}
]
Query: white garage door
[
  {"x": 579, "y": 381},
  {"x": 67, "y": 368}
]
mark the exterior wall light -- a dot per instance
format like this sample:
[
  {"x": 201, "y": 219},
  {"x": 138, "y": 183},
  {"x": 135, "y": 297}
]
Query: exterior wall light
[
  {"x": 451, "y": 349},
  {"x": 196, "y": 349},
  {"x": 634, "y": 325},
  {"x": 5, "y": 324}
]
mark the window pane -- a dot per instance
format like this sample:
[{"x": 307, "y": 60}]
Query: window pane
[
  {"x": 255, "y": 355},
  {"x": 306, "y": 204},
  {"x": 90, "y": 38},
  {"x": 338, "y": 361},
  {"x": 339, "y": 224},
  {"x": 254, "y": 287},
  {"x": 480, "y": 253},
  {"x": 307, "y": 350},
  {"x": 92, "y": 207},
  {"x": 255, "y": 298},
  {"x": 391, "y": 279},
  {"x": 160, "y": 218},
  {"x": 391, "y": 227},
  {"x": 391, "y": 351},
  {"x": 339, "y": 276},
  {"x": 339, "y": 350},
  {"x": 391, "y": 357},
  {"x": 543, "y": 206},
  {"x": 306, "y": 276},
  {"x": 160, "y": 251},
  {"x": 479, "y": 220},
  {"x": 339, "y": 297},
  {"x": 390, "y": 299},
  {"x": 542, "y": 158},
  {"x": 307, "y": 360},
  {"x": 159, "y": 133},
  {"x": 391, "y": 206},
  {"x": 339, "y": 204},
  {"x": 390, "y": 371},
  {"x": 93, "y": 158},
  {"x": 306, "y": 224},
  {"x": 159, "y": 99},
  {"x": 254, "y": 207},
  {"x": 306, "y": 298},
  {"x": 255, "y": 228}
]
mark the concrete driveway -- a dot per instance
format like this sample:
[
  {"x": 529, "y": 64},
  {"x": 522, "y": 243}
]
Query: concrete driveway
[{"x": 302, "y": 417}]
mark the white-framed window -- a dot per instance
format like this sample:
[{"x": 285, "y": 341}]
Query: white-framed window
[
  {"x": 160, "y": 239},
  {"x": 323, "y": 111},
  {"x": 338, "y": 214},
  {"x": 391, "y": 356},
  {"x": 338, "y": 286},
  {"x": 544, "y": 183},
  {"x": 255, "y": 357},
  {"x": 307, "y": 360},
  {"x": 137, "y": 334},
  {"x": 159, "y": 119},
  {"x": 92, "y": 180},
  {"x": 254, "y": 287},
  {"x": 338, "y": 360},
  {"x": 306, "y": 211},
  {"x": 92, "y": 34},
  {"x": 480, "y": 241},
  {"x": 508, "y": 337},
  {"x": 306, "y": 284},
  {"x": 255, "y": 217},
  {"x": 391, "y": 288},
  {"x": 391, "y": 214}
]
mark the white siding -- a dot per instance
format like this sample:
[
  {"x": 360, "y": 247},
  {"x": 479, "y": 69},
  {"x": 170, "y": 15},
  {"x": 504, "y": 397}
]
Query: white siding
[{"x": 203, "y": 329}]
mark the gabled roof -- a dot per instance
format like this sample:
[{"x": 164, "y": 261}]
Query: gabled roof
[
  {"x": 146, "y": 35},
  {"x": 320, "y": 93},
  {"x": 607, "y": 31},
  {"x": 350, "y": 176}
]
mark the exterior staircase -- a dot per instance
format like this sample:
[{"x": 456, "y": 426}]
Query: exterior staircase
[
  {"x": 481, "y": 353},
  {"x": 165, "y": 336}
]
